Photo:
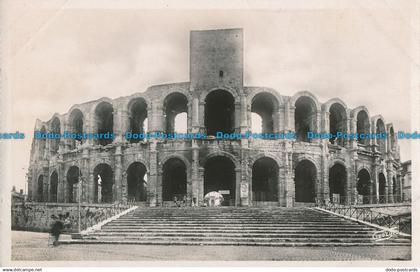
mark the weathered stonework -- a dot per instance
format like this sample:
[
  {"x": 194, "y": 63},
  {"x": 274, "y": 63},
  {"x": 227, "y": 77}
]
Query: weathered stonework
[{"x": 256, "y": 171}]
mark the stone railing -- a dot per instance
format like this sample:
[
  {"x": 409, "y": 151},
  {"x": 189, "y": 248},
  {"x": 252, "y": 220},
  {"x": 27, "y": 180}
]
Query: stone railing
[{"x": 34, "y": 216}]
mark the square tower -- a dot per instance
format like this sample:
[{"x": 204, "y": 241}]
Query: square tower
[{"x": 216, "y": 58}]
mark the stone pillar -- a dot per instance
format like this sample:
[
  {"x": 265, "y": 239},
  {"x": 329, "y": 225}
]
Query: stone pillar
[
  {"x": 324, "y": 191},
  {"x": 153, "y": 175},
  {"x": 389, "y": 184},
  {"x": 238, "y": 184},
  {"x": 118, "y": 175},
  {"x": 195, "y": 115},
  {"x": 125, "y": 123},
  {"x": 201, "y": 185},
  {"x": 195, "y": 173},
  {"x": 201, "y": 116},
  {"x": 244, "y": 191},
  {"x": 238, "y": 117},
  {"x": 61, "y": 182},
  {"x": 244, "y": 115},
  {"x": 289, "y": 175},
  {"x": 281, "y": 186}
]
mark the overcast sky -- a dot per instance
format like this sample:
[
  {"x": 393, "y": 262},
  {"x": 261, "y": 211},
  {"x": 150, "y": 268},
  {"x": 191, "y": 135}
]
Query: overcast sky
[{"x": 63, "y": 56}]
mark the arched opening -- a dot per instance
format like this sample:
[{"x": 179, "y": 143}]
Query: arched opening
[
  {"x": 392, "y": 139},
  {"x": 265, "y": 105},
  {"x": 337, "y": 183},
  {"x": 56, "y": 130},
  {"x": 382, "y": 188},
  {"x": 338, "y": 122},
  {"x": 305, "y": 118},
  {"x": 104, "y": 183},
  {"x": 40, "y": 191},
  {"x": 104, "y": 114},
  {"x": 73, "y": 177},
  {"x": 219, "y": 176},
  {"x": 138, "y": 117},
  {"x": 363, "y": 127},
  {"x": 380, "y": 129},
  {"x": 53, "y": 186},
  {"x": 256, "y": 123},
  {"x": 174, "y": 105},
  {"x": 42, "y": 143},
  {"x": 76, "y": 127},
  {"x": 305, "y": 178},
  {"x": 174, "y": 180},
  {"x": 265, "y": 176},
  {"x": 219, "y": 114},
  {"x": 136, "y": 182},
  {"x": 363, "y": 186}
]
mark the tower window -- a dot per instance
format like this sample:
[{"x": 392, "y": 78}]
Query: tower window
[{"x": 220, "y": 73}]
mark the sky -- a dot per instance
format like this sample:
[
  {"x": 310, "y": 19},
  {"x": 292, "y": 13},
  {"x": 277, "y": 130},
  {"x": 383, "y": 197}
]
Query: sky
[{"x": 61, "y": 53}]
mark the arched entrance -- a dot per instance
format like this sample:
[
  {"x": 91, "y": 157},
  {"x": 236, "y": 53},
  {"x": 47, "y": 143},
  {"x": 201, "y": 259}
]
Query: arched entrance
[
  {"x": 40, "y": 189},
  {"x": 76, "y": 127},
  {"x": 382, "y": 188},
  {"x": 53, "y": 186},
  {"x": 219, "y": 112},
  {"x": 219, "y": 176},
  {"x": 136, "y": 183},
  {"x": 73, "y": 175},
  {"x": 174, "y": 180},
  {"x": 337, "y": 183},
  {"x": 264, "y": 105},
  {"x": 265, "y": 176},
  {"x": 56, "y": 129},
  {"x": 138, "y": 117},
  {"x": 176, "y": 106},
  {"x": 363, "y": 127},
  {"x": 104, "y": 183},
  {"x": 338, "y": 122},
  {"x": 104, "y": 114},
  {"x": 363, "y": 186},
  {"x": 305, "y": 118},
  {"x": 305, "y": 178}
]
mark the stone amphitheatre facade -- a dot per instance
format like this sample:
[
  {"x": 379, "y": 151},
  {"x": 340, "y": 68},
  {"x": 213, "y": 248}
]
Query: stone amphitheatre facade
[{"x": 249, "y": 172}]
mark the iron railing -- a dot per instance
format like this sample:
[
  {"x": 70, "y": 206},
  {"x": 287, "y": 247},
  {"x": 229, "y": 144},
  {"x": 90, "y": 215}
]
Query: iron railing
[{"x": 400, "y": 222}]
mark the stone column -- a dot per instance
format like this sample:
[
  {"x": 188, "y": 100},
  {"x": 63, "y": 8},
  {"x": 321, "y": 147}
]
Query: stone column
[
  {"x": 324, "y": 191},
  {"x": 238, "y": 184},
  {"x": 118, "y": 175},
  {"x": 195, "y": 173},
  {"x": 244, "y": 191},
  {"x": 195, "y": 115},
  {"x": 61, "y": 181},
  {"x": 153, "y": 175},
  {"x": 244, "y": 115},
  {"x": 389, "y": 184},
  {"x": 289, "y": 175},
  {"x": 201, "y": 185},
  {"x": 238, "y": 117}
]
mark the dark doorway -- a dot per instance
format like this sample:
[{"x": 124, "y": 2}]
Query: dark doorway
[
  {"x": 219, "y": 112},
  {"x": 219, "y": 175},
  {"x": 363, "y": 185},
  {"x": 265, "y": 175},
  {"x": 73, "y": 175},
  {"x": 104, "y": 178},
  {"x": 174, "y": 180},
  {"x": 305, "y": 118},
  {"x": 305, "y": 178},
  {"x": 136, "y": 183},
  {"x": 53, "y": 186},
  {"x": 104, "y": 114},
  {"x": 338, "y": 181}
]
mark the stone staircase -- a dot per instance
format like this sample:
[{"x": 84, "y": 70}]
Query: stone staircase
[{"x": 235, "y": 226}]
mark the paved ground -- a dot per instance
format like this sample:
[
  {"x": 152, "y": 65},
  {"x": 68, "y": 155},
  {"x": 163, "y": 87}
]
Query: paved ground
[{"x": 32, "y": 246}]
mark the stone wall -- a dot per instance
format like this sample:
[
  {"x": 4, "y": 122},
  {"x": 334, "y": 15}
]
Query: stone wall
[{"x": 37, "y": 216}]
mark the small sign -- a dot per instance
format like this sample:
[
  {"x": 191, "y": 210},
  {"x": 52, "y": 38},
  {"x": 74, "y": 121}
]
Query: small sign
[{"x": 224, "y": 192}]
